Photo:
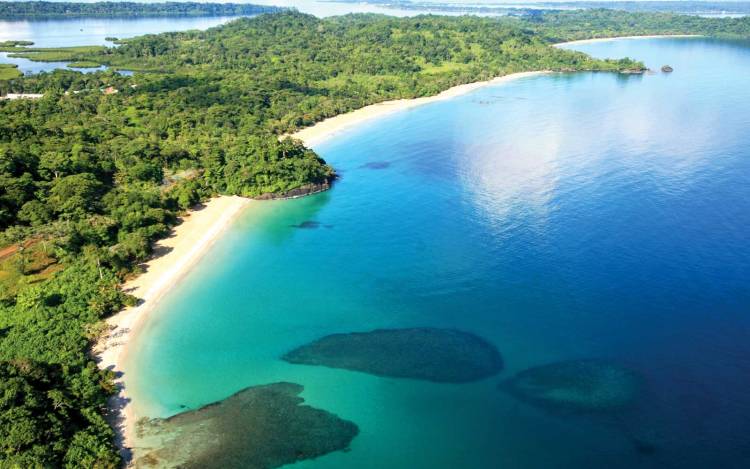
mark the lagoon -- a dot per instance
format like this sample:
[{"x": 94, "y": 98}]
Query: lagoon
[
  {"x": 66, "y": 32},
  {"x": 560, "y": 217},
  {"x": 88, "y": 31}
]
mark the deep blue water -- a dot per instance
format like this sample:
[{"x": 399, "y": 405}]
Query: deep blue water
[{"x": 561, "y": 217}]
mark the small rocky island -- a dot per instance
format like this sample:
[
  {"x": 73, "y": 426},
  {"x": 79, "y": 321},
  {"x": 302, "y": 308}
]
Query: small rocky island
[{"x": 667, "y": 69}]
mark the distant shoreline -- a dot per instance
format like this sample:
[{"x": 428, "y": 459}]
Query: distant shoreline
[
  {"x": 333, "y": 126},
  {"x": 617, "y": 38}
]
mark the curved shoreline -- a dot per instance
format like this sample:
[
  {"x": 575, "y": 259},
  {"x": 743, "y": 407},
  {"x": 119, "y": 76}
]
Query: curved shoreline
[
  {"x": 332, "y": 126},
  {"x": 618, "y": 38},
  {"x": 173, "y": 257},
  {"x": 200, "y": 228}
]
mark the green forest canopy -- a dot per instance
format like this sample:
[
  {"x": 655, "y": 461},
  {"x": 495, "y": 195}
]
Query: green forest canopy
[{"x": 89, "y": 177}]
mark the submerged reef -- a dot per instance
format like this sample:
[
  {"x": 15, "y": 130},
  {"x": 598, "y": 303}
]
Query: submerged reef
[
  {"x": 576, "y": 386},
  {"x": 376, "y": 165},
  {"x": 307, "y": 225},
  {"x": 441, "y": 355},
  {"x": 258, "y": 427}
]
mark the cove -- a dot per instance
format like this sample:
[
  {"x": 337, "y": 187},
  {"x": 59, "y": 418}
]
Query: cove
[{"x": 561, "y": 217}]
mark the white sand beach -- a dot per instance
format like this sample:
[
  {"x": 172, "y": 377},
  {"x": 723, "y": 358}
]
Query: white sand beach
[
  {"x": 606, "y": 39},
  {"x": 173, "y": 258},
  {"x": 332, "y": 126}
]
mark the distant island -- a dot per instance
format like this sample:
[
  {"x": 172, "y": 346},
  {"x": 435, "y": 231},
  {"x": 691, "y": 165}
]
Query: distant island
[
  {"x": 128, "y": 9},
  {"x": 684, "y": 7},
  {"x": 102, "y": 166}
]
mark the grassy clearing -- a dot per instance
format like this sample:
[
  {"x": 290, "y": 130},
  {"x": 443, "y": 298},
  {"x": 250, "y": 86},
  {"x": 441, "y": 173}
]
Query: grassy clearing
[
  {"x": 26, "y": 265},
  {"x": 16, "y": 43},
  {"x": 52, "y": 54},
  {"x": 9, "y": 71},
  {"x": 84, "y": 64},
  {"x": 445, "y": 67}
]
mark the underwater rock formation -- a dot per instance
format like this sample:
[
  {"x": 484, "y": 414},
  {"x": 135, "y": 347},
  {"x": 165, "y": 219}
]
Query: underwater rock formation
[
  {"x": 376, "y": 165},
  {"x": 307, "y": 189},
  {"x": 578, "y": 386},
  {"x": 258, "y": 427},
  {"x": 307, "y": 225},
  {"x": 441, "y": 355}
]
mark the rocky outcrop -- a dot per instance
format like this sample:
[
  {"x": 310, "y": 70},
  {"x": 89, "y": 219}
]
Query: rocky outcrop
[
  {"x": 667, "y": 69},
  {"x": 307, "y": 189}
]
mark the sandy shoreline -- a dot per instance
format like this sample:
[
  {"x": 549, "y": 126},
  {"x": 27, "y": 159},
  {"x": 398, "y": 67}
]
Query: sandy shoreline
[
  {"x": 332, "y": 126},
  {"x": 606, "y": 39},
  {"x": 173, "y": 258}
]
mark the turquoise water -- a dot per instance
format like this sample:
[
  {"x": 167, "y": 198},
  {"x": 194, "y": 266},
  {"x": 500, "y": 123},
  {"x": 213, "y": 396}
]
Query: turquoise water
[{"x": 561, "y": 217}]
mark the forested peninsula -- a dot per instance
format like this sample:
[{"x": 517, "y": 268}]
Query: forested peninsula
[
  {"x": 35, "y": 9},
  {"x": 100, "y": 167}
]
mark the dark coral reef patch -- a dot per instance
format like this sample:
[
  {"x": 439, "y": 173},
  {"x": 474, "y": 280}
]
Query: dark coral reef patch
[
  {"x": 440, "y": 355},
  {"x": 577, "y": 386},
  {"x": 376, "y": 165},
  {"x": 258, "y": 427},
  {"x": 307, "y": 225}
]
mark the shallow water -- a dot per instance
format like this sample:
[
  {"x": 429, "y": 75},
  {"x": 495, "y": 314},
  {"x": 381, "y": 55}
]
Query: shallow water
[{"x": 563, "y": 217}]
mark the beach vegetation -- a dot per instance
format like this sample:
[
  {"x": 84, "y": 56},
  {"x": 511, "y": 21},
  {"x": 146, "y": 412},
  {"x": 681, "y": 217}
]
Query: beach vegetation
[
  {"x": 9, "y": 71},
  {"x": 84, "y": 64},
  {"x": 52, "y": 54}
]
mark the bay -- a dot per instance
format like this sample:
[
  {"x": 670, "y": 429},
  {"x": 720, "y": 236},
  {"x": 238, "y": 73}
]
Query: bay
[{"x": 561, "y": 217}]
